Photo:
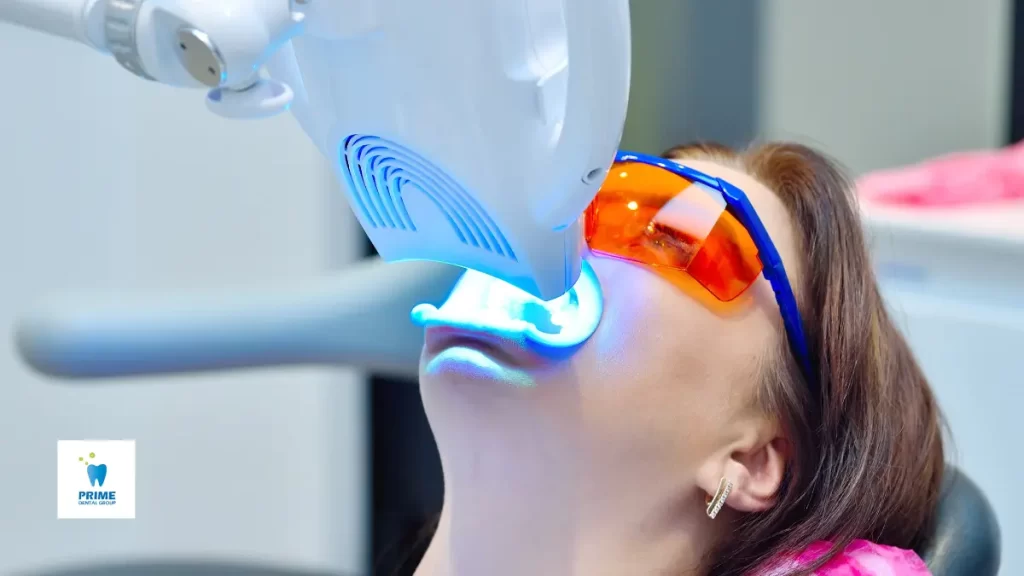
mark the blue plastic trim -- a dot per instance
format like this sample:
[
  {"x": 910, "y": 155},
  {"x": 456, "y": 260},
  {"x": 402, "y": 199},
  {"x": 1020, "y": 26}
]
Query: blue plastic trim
[{"x": 774, "y": 271}]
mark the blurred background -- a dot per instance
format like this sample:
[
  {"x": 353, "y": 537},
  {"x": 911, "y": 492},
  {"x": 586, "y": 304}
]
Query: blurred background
[{"x": 110, "y": 183}]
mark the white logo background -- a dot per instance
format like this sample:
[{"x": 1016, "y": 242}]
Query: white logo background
[{"x": 72, "y": 477}]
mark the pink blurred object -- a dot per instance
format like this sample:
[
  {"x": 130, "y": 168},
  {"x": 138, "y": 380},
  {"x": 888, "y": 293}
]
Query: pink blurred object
[
  {"x": 962, "y": 179},
  {"x": 860, "y": 558}
]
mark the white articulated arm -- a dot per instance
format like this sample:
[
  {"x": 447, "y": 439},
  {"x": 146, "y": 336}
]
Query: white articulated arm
[
  {"x": 220, "y": 45},
  {"x": 69, "y": 19},
  {"x": 359, "y": 317},
  {"x": 80, "y": 20}
]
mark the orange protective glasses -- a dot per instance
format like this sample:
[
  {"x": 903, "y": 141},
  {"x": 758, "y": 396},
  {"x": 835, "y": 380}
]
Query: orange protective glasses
[
  {"x": 659, "y": 213},
  {"x": 646, "y": 214}
]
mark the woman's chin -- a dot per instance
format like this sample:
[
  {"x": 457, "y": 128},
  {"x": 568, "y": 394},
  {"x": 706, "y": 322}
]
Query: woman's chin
[{"x": 472, "y": 364}]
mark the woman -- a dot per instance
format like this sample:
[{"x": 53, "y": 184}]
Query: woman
[{"x": 718, "y": 420}]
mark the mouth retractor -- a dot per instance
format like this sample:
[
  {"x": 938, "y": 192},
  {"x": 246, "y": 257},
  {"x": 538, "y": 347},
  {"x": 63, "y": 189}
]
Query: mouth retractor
[{"x": 482, "y": 303}]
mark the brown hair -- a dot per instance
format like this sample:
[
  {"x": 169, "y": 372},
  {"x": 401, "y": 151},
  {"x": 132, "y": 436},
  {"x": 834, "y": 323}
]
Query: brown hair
[{"x": 866, "y": 449}]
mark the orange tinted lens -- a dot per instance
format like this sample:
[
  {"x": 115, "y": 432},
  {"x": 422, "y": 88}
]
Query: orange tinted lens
[{"x": 650, "y": 215}]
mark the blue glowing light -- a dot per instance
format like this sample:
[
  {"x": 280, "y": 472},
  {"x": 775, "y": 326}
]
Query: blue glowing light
[{"x": 482, "y": 303}]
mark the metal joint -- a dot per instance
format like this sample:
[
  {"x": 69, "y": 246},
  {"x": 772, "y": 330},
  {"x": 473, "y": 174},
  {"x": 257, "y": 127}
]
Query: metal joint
[{"x": 121, "y": 19}]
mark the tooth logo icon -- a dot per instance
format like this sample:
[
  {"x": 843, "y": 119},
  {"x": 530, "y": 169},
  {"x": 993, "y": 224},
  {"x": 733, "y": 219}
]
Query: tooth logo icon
[{"x": 97, "y": 473}]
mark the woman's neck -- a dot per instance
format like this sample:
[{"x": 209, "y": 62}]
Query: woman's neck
[{"x": 550, "y": 500}]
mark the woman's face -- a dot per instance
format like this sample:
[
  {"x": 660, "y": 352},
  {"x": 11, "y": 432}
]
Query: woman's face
[{"x": 669, "y": 376}]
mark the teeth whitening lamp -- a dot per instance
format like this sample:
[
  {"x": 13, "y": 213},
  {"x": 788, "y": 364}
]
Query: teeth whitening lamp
[{"x": 467, "y": 134}]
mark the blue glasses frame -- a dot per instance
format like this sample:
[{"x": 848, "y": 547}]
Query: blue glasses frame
[{"x": 773, "y": 270}]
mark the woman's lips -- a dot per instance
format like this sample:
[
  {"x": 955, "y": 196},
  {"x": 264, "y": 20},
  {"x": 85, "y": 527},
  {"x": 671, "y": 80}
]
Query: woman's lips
[{"x": 509, "y": 351}]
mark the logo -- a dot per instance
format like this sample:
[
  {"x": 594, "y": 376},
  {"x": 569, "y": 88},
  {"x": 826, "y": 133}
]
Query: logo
[
  {"x": 106, "y": 489},
  {"x": 97, "y": 474}
]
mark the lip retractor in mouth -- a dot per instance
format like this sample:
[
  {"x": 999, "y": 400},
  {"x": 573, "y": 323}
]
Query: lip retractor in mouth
[{"x": 482, "y": 303}]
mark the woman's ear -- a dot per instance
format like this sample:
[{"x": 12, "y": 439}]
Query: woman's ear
[
  {"x": 754, "y": 466},
  {"x": 756, "y": 475}
]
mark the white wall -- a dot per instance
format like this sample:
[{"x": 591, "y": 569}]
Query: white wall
[
  {"x": 968, "y": 334},
  {"x": 111, "y": 183},
  {"x": 879, "y": 83}
]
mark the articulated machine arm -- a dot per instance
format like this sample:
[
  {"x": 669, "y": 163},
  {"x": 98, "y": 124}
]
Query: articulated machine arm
[
  {"x": 471, "y": 133},
  {"x": 359, "y": 317},
  {"x": 221, "y": 46},
  {"x": 78, "y": 20},
  {"x": 348, "y": 319}
]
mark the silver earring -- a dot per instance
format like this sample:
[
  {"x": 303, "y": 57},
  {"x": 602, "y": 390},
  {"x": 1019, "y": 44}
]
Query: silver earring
[{"x": 716, "y": 502}]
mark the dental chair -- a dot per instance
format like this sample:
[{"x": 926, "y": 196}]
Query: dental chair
[
  {"x": 966, "y": 538},
  {"x": 965, "y": 542}
]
